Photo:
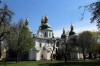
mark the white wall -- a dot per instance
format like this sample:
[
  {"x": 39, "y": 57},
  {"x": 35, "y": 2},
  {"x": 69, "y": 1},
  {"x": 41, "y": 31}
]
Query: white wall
[
  {"x": 42, "y": 32},
  {"x": 38, "y": 57},
  {"x": 48, "y": 56},
  {"x": 43, "y": 42},
  {"x": 80, "y": 56}
]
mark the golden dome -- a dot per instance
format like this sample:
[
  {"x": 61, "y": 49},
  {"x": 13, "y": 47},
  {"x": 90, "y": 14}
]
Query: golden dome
[
  {"x": 26, "y": 21},
  {"x": 71, "y": 26},
  {"x": 42, "y": 20},
  {"x": 63, "y": 30},
  {"x": 52, "y": 33},
  {"x": 46, "y": 18}
]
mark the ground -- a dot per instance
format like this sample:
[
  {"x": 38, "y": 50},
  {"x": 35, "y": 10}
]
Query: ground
[{"x": 54, "y": 63}]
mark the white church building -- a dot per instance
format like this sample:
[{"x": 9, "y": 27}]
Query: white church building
[{"x": 45, "y": 42}]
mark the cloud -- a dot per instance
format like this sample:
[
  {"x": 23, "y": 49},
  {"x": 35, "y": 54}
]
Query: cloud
[{"x": 78, "y": 27}]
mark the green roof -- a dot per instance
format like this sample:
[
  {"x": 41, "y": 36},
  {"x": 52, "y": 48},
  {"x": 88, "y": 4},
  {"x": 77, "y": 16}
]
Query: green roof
[
  {"x": 37, "y": 48},
  {"x": 46, "y": 48},
  {"x": 46, "y": 26},
  {"x": 63, "y": 36},
  {"x": 28, "y": 28},
  {"x": 71, "y": 33}
]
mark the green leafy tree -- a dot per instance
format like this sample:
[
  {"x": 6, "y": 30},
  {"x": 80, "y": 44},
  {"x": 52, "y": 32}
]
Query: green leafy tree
[
  {"x": 5, "y": 20},
  {"x": 84, "y": 42},
  {"x": 96, "y": 48},
  {"x": 20, "y": 38},
  {"x": 94, "y": 9}
]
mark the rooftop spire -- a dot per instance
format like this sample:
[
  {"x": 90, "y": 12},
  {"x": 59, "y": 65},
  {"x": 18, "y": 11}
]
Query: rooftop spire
[
  {"x": 63, "y": 30},
  {"x": 26, "y": 21},
  {"x": 71, "y": 26},
  {"x": 42, "y": 20},
  {"x": 46, "y": 18}
]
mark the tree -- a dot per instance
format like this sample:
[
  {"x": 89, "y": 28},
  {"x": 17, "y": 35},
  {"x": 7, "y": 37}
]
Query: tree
[
  {"x": 20, "y": 38},
  {"x": 94, "y": 8},
  {"x": 60, "y": 52},
  {"x": 53, "y": 48},
  {"x": 5, "y": 20},
  {"x": 96, "y": 48},
  {"x": 84, "y": 42}
]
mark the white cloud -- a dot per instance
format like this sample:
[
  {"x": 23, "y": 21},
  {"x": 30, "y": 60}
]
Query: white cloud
[{"x": 78, "y": 27}]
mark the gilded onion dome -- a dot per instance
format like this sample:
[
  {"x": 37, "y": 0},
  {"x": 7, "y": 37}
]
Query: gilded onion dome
[
  {"x": 26, "y": 25},
  {"x": 26, "y": 21},
  {"x": 63, "y": 31},
  {"x": 71, "y": 27},
  {"x": 42, "y": 21},
  {"x": 63, "y": 35},
  {"x": 46, "y": 19},
  {"x": 52, "y": 33},
  {"x": 45, "y": 24},
  {"x": 71, "y": 31}
]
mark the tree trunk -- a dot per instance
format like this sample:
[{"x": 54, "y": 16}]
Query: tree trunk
[
  {"x": 17, "y": 57},
  {"x": 90, "y": 55},
  {"x": 51, "y": 56},
  {"x": 66, "y": 55},
  {"x": 5, "y": 62},
  {"x": 95, "y": 56},
  {"x": 83, "y": 55}
]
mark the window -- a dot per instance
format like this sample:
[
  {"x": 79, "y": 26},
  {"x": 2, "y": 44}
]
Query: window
[
  {"x": 40, "y": 45},
  {"x": 49, "y": 34},
  {"x": 45, "y": 34}
]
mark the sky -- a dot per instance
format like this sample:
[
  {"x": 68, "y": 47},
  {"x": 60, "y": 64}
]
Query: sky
[{"x": 61, "y": 13}]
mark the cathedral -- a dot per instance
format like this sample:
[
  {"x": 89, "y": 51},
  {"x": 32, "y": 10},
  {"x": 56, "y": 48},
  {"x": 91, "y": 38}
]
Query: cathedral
[{"x": 45, "y": 43}]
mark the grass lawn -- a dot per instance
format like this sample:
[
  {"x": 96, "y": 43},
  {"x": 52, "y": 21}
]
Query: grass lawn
[{"x": 54, "y": 63}]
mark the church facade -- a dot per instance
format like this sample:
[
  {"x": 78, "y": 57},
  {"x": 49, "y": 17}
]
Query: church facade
[{"x": 45, "y": 44}]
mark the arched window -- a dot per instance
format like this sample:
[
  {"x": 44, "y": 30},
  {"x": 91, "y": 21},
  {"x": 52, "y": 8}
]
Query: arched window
[
  {"x": 45, "y": 34},
  {"x": 40, "y": 45}
]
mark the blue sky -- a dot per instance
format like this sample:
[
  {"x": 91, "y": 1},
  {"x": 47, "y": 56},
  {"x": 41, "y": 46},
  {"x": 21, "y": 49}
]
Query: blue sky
[{"x": 60, "y": 14}]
